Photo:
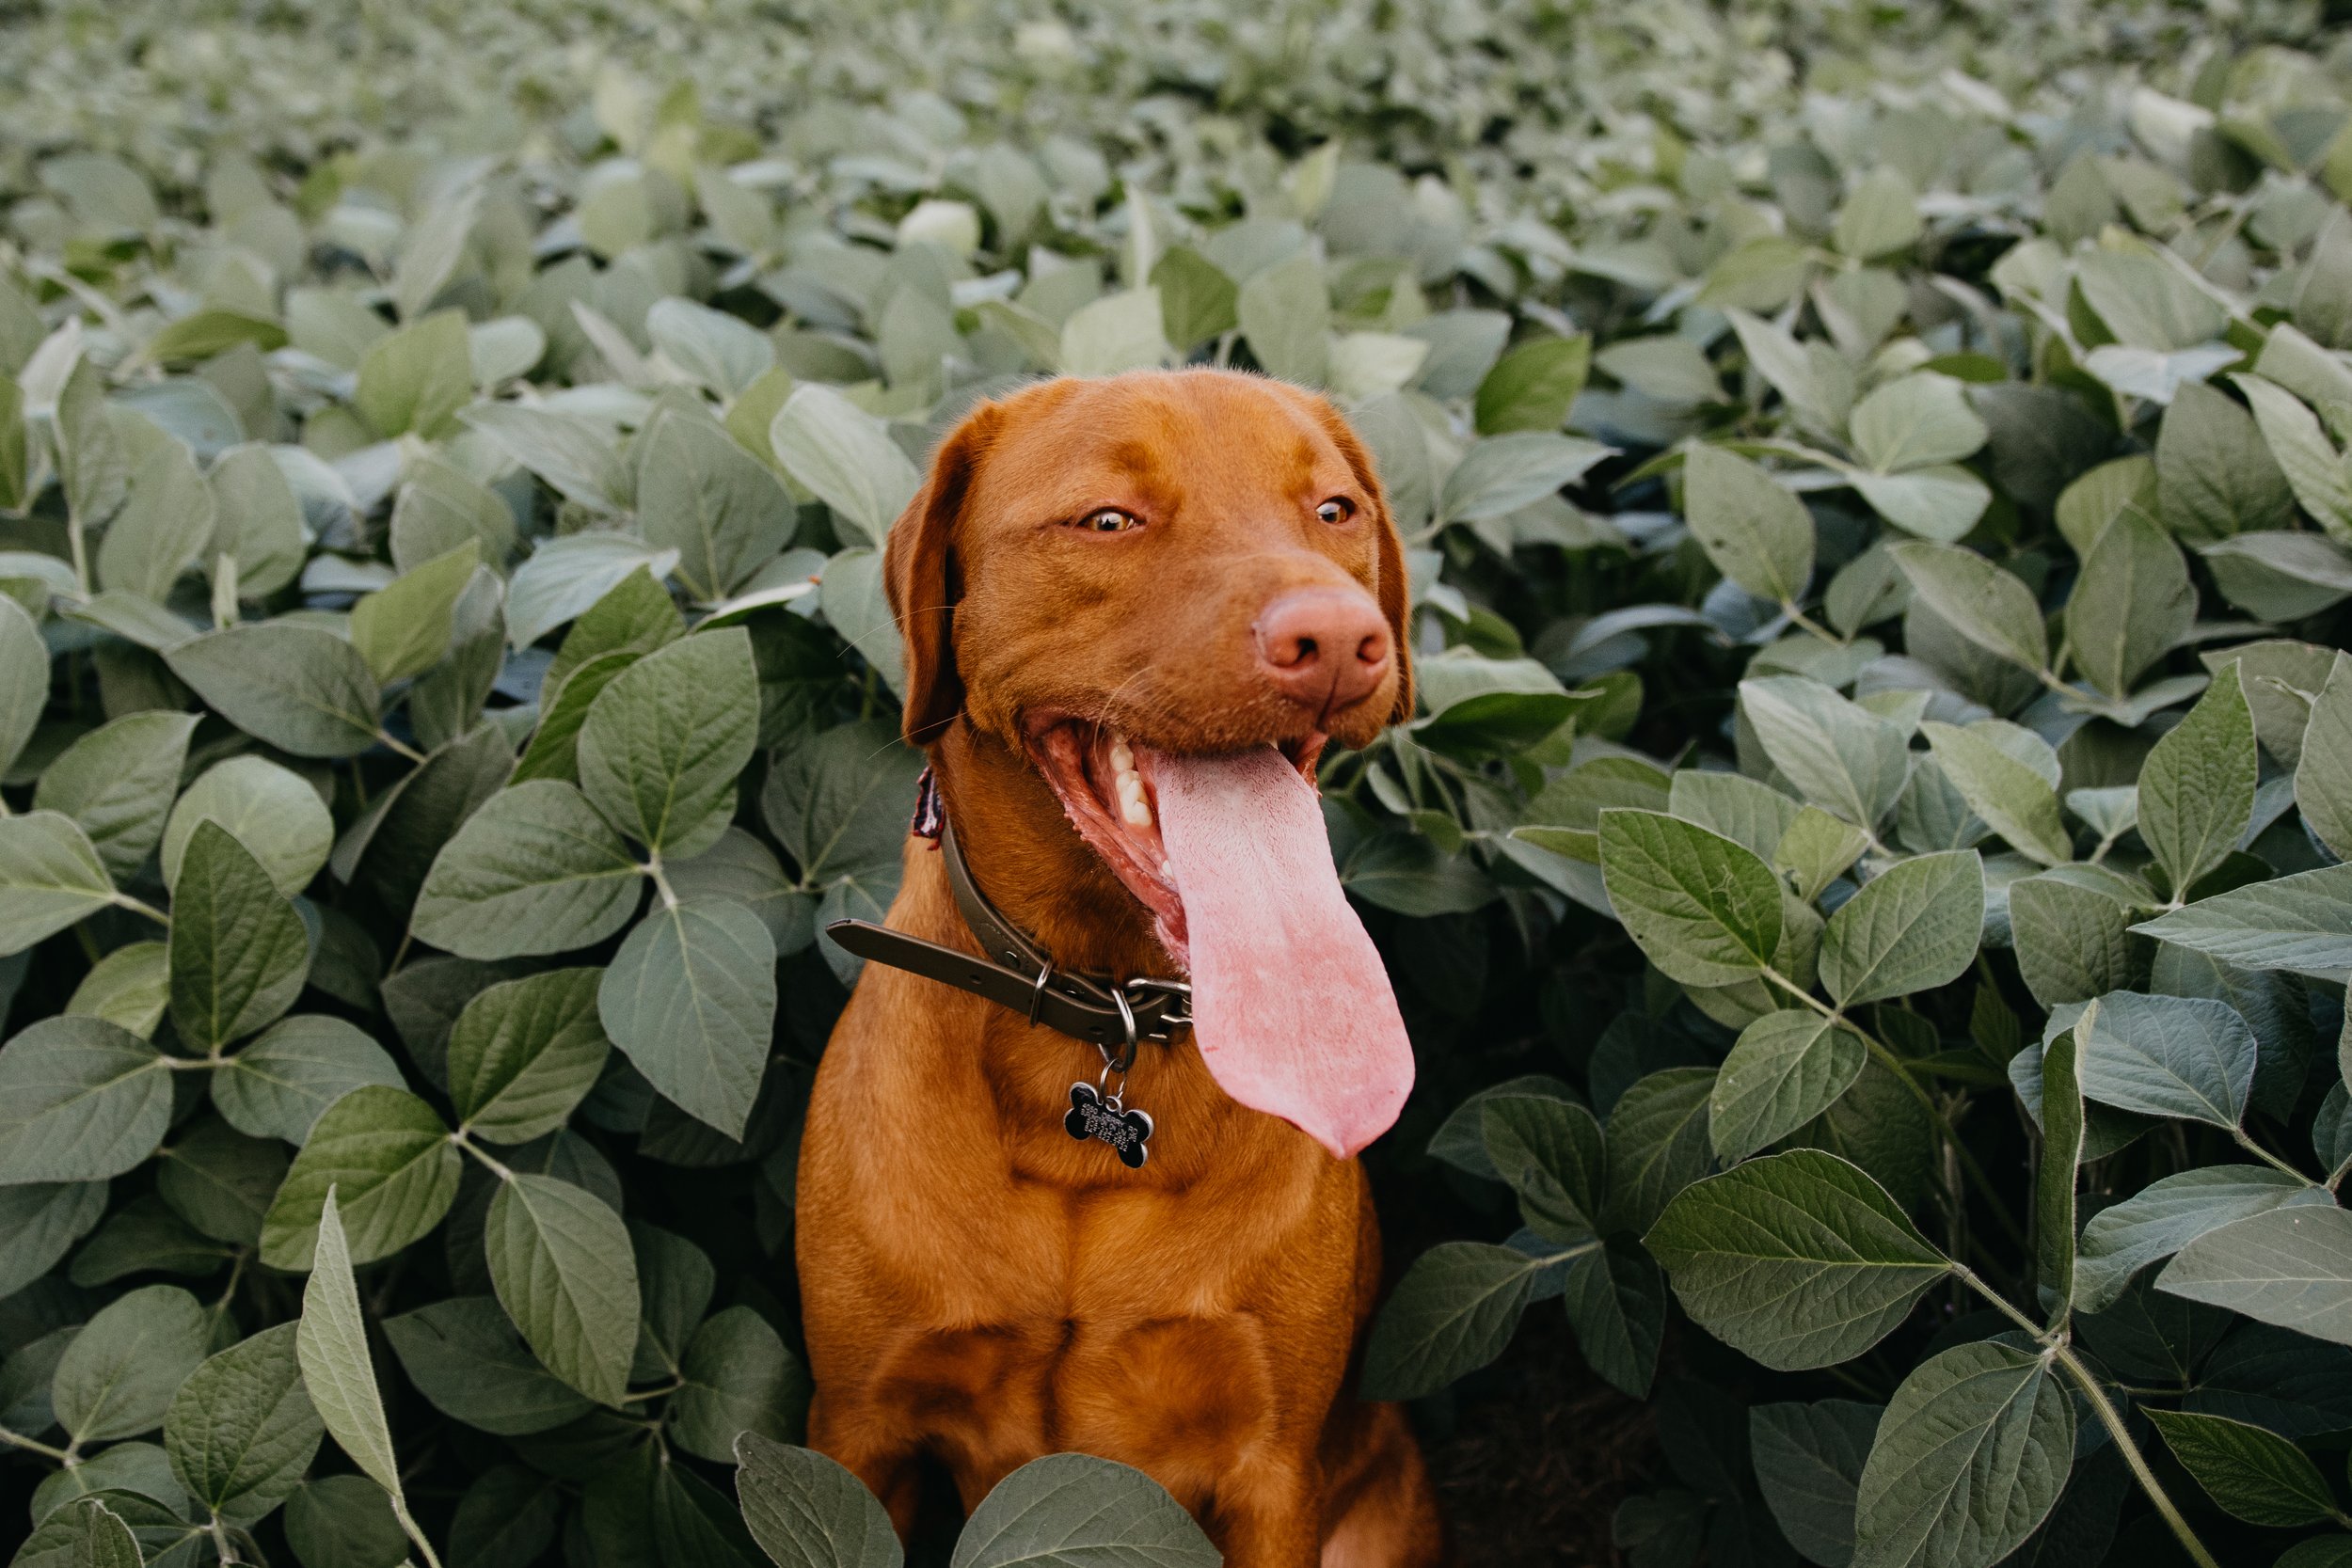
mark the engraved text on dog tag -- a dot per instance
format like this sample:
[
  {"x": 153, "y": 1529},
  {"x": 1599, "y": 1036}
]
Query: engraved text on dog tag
[{"x": 1093, "y": 1117}]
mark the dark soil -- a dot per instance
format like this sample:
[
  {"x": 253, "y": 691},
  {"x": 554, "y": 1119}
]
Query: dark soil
[{"x": 1539, "y": 1455}]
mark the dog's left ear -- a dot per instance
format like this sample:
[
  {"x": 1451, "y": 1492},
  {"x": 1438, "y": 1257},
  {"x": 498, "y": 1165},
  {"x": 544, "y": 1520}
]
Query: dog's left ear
[
  {"x": 1393, "y": 589},
  {"x": 920, "y": 575}
]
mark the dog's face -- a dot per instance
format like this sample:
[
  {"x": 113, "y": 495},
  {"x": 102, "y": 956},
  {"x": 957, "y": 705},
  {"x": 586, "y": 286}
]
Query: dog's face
[{"x": 1104, "y": 573}]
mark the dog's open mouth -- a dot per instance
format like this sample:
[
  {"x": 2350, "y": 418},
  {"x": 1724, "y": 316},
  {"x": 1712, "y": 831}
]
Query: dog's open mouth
[{"x": 1291, "y": 1004}]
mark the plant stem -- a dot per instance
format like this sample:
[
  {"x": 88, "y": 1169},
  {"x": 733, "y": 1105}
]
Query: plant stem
[
  {"x": 2248, "y": 1143},
  {"x": 473, "y": 1149},
  {"x": 396, "y": 744},
  {"x": 138, "y": 907},
  {"x": 33, "y": 1444},
  {"x": 1800, "y": 619},
  {"x": 2110, "y": 1418},
  {"x": 409, "y": 1524},
  {"x": 660, "y": 882}
]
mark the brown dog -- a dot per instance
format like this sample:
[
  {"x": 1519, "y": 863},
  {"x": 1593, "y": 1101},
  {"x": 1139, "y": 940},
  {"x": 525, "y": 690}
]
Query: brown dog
[{"x": 1133, "y": 610}]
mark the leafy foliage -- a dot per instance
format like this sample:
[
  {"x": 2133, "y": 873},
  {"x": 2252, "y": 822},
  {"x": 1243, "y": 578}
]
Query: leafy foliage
[{"x": 1876, "y": 494}]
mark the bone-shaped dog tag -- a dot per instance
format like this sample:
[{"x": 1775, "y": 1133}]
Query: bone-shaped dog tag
[{"x": 1108, "y": 1121}]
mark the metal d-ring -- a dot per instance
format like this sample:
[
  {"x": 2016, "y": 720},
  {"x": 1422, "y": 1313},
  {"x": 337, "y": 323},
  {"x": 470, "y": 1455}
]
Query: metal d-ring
[
  {"x": 1037, "y": 993},
  {"x": 1126, "y": 1056}
]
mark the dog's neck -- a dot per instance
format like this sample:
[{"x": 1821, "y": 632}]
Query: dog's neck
[{"x": 1031, "y": 863}]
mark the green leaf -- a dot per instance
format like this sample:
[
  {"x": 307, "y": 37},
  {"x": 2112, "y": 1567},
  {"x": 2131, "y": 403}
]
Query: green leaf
[
  {"x": 1842, "y": 757},
  {"x": 118, "y": 1377},
  {"x": 1980, "y": 601},
  {"x": 1550, "y": 1152},
  {"x": 162, "y": 530},
  {"x": 2196, "y": 787},
  {"x": 739, "y": 1378},
  {"x": 437, "y": 510},
  {"x": 24, "y": 679},
  {"x": 1942, "y": 504},
  {"x": 807, "y": 1512},
  {"x": 1452, "y": 1313},
  {"x": 691, "y": 999},
  {"x": 256, "y": 518},
  {"x": 1504, "y": 473},
  {"x": 2168, "y": 1056},
  {"x": 1755, "y": 532},
  {"x": 703, "y": 495},
  {"x": 1531, "y": 387},
  {"x": 40, "y": 1222},
  {"x": 2290, "y": 1266},
  {"x": 1912, "y": 928},
  {"x": 2056, "y": 1174},
  {"x": 465, "y": 1357},
  {"x": 130, "y": 987},
  {"x": 508, "y": 1515},
  {"x": 1123, "y": 331},
  {"x": 1918, "y": 422},
  {"x": 344, "y": 1521},
  {"x": 838, "y": 805},
  {"x": 300, "y": 688},
  {"x": 2317, "y": 474},
  {"x": 331, "y": 1344},
  {"x": 279, "y": 1085},
  {"x": 117, "y": 781},
  {"x": 221, "y": 1182},
  {"x": 1706, "y": 910},
  {"x": 2323, "y": 773},
  {"x": 1286, "y": 313},
  {"x": 2214, "y": 476},
  {"x": 723, "y": 353},
  {"x": 417, "y": 378},
  {"x": 1615, "y": 1300},
  {"x": 1198, "y": 300},
  {"x": 2254, "y": 1474},
  {"x": 1798, "y": 1260},
  {"x": 272, "y": 811},
  {"x": 1075, "y": 1511},
  {"x": 663, "y": 742},
  {"x": 1817, "y": 850},
  {"x": 403, "y": 630},
  {"x": 50, "y": 876},
  {"x": 2168, "y": 1215},
  {"x": 571, "y": 453},
  {"x": 535, "y": 870},
  {"x": 99, "y": 1539},
  {"x": 1750, "y": 814},
  {"x": 2069, "y": 940},
  {"x": 1880, "y": 214},
  {"x": 524, "y": 1053},
  {"x": 80, "y": 1101},
  {"x": 241, "y": 1431},
  {"x": 92, "y": 468},
  {"x": 238, "y": 953},
  {"x": 1785, "y": 1068},
  {"x": 2303, "y": 922},
  {"x": 390, "y": 1157},
  {"x": 846, "y": 458},
  {"x": 1969, "y": 1458},
  {"x": 567, "y": 576},
  {"x": 2132, "y": 605},
  {"x": 554, "y": 751},
  {"x": 1808, "y": 1465},
  {"x": 561, "y": 1264},
  {"x": 1658, "y": 1143},
  {"x": 2012, "y": 799}
]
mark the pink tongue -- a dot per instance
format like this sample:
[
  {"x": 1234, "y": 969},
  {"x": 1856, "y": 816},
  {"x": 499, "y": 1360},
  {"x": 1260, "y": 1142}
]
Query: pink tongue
[{"x": 1291, "y": 1006}]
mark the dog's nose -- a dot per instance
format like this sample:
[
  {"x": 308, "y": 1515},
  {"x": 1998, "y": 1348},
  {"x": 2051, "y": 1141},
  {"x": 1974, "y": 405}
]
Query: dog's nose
[{"x": 1322, "y": 647}]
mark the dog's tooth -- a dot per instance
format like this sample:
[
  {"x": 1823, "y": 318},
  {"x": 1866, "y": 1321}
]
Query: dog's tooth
[
  {"x": 1130, "y": 787},
  {"x": 1123, "y": 756},
  {"x": 1167, "y": 869},
  {"x": 1138, "y": 815}
]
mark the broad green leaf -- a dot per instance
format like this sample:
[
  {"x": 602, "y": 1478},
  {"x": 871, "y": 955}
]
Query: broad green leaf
[
  {"x": 1615, "y": 1300},
  {"x": 838, "y": 805},
  {"x": 805, "y": 1510},
  {"x": 24, "y": 679},
  {"x": 739, "y": 1378},
  {"x": 2290, "y": 1266},
  {"x": 2011, "y": 798},
  {"x": 1504, "y": 473},
  {"x": 2056, "y": 1173},
  {"x": 1912, "y": 928},
  {"x": 1986, "y": 605},
  {"x": 465, "y": 1357},
  {"x": 241, "y": 1431},
  {"x": 2168, "y": 1215},
  {"x": 300, "y": 688},
  {"x": 130, "y": 987},
  {"x": 1286, "y": 313},
  {"x": 509, "y": 1514},
  {"x": 437, "y": 510},
  {"x": 2196, "y": 787},
  {"x": 1755, "y": 532},
  {"x": 1817, "y": 850},
  {"x": 415, "y": 379},
  {"x": 636, "y": 615},
  {"x": 1075, "y": 1511},
  {"x": 2069, "y": 940},
  {"x": 1452, "y": 1313},
  {"x": 2317, "y": 473},
  {"x": 50, "y": 876},
  {"x": 1880, "y": 213},
  {"x": 2133, "y": 603},
  {"x": 1798, "y": 1260},
  {"x": 1918, "y": 422},
  {"x": 390, "y": 1158},
  {"x": 1842, "y": 757},
  {"x": 162, "y": 530},
  {"x": 535, "y": 870},
  {"x": 80, "y": 1101},
  {"x": 2214, "y": 476},
  {"x": 238, "y": 953},
  {"x": 564, "y": 1270},
  {"x": 2086, "y": 507},
  {"x": 40, "y": 1222},
  {"x": 1706, "y": 910},
  {"x": 118, "y": 1377},
  {"x": 1658, "y": 1143},
  {"x": 279, "y": 1084},
  {"x": 402, "y": 630},
  {"x": 703, "y": 495},
  {"x": 721, "y": 352},
  {"x": 344, "y": 1521},
  {"x": 1970, "y": 1456},
  {"x": 554, "y": 750},
  {"x": 2251, "y": 1472},
  {"x": 219, "y": 1181},
  {"x": 570, "y": 453},
  {"x": 1749, "y": 813},
  {"x": 691, "y": 999},
  {"x": 98, "y": 1538},
  {"x": 1809, "y": 1464},
  {"x": 331, "y": 1344},
  {"x": 662, "y": 743},
  {"x": 1942, "y": 504},
  {"x": 845, "y": 457},
  {"x": 258, "y": 519},
  {"x": 2323, "y": 773},
  {"x": 117, "y": 781},
  {"x": 1550, "y": 1152},
  {"x": 270, "y": 810},
  {"x": 1531, "y": 385},
  {"x": 1785, "y": 1068},
  {"x": 522, "y": 1055},
  {"x": 2303, "y": 922},
  {"x": 92, "y": 468},
  {"x": 2168, "y": 1056},
  {"x": 565, "y": 576},
  {"x": 1124, "y": 331}
]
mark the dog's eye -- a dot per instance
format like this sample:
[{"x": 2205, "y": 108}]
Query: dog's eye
[
  {"x": 1110, "y": 519},
  {"x": 1339, "y": 509}
]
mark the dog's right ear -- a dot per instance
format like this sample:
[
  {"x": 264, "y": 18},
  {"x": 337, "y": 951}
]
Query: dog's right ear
[{"x": 920, "y": 575}]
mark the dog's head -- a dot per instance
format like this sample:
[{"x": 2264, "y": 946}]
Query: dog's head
[{"x": 1168, "y": 590}]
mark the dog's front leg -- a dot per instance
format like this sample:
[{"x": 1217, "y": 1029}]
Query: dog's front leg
[
  {"x": 1268, "y": 1514},
  {"x": 862, "y": 1438}
]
